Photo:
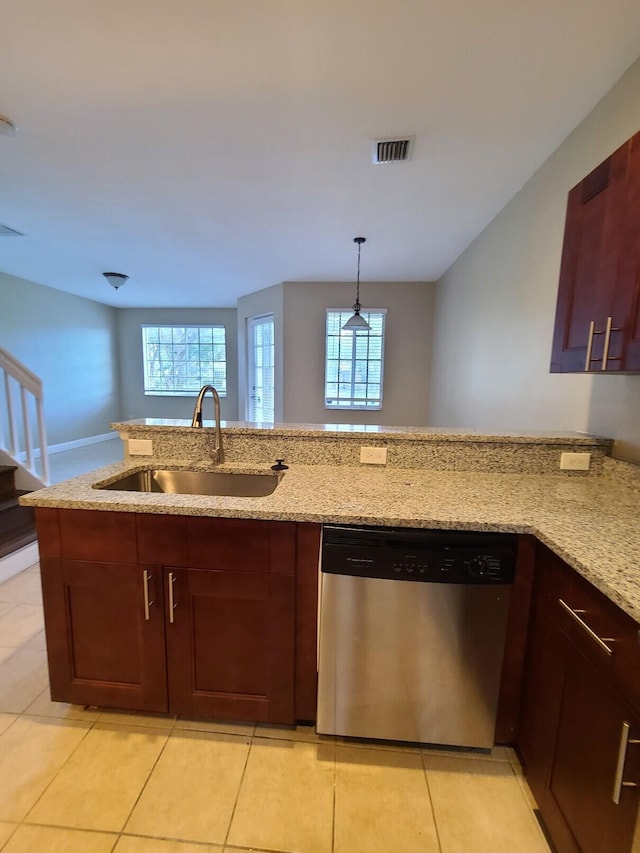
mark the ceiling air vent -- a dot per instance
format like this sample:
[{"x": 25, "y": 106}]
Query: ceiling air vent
[
  {"x": 5, "y": 231},
  {"x": 392, "y": 150}
]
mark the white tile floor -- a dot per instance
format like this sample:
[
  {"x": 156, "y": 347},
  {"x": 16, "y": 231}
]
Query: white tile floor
[
  {"x": 88, "y": 780},
  {"x": 72, "y": 463}
]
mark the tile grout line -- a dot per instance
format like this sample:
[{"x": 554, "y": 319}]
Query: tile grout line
[
  {"x": 335, "y": 792},
  {"x": 430, "y": 800},
  {"x": 63, "y": 765},
  {"x": 237, "y": 797},
  {"x": 146, "y": 781},
  {"x": 531, "y": 810}
]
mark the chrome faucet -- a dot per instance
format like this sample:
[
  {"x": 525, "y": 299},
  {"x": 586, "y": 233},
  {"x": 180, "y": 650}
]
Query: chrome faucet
[{"x": 216, "y": 453}]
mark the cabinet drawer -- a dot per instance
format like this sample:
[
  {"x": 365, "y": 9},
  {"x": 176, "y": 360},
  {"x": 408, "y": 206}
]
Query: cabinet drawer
[
  {"x": 239, "y": 545},
  {"x": 606, "y": 635},
  {"x": 603, "y": 632}
]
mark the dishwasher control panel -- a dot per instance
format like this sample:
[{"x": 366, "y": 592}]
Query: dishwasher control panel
[{"x": 413, "y": 554}]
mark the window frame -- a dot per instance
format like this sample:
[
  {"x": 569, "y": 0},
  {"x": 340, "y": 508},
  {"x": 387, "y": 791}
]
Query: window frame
[
  {"x": 201, "y": 379},
  {"x": 344, "y": 403}
]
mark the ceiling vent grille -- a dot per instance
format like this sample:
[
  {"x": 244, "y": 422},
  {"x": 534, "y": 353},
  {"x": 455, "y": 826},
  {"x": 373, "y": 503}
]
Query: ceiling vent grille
[
  {"x": 5, "y": 231},
  {"x": 392, "y": 150}
]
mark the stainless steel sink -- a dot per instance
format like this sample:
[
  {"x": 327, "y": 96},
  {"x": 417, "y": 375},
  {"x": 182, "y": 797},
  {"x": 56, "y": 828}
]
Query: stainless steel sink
[{"x": 197, "y": 483}]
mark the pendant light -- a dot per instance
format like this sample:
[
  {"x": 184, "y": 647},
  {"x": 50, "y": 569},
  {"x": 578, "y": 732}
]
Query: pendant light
[{"x": 357, "y": 323}]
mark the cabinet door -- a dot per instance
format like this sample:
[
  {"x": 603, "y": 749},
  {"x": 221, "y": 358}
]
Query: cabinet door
[
  {"x": 105, "y": 646},
  {"x": 630, "y": 271},
  {"x": 593, "y": 758},
  {"x": 541, "y": 704},
  {"x": 594, "y": 238},
  {"x": 230, "y": 644}
]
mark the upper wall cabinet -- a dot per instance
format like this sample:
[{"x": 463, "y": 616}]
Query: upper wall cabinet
[{"x": 597, "y": 327}]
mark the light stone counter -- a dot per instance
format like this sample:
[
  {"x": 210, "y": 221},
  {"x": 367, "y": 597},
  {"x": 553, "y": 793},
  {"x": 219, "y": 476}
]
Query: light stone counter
[{"x": 590, "y": 521}]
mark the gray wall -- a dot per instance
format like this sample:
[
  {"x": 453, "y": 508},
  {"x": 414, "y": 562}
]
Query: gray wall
[
  {"x": 133, "y": 402},
  {"x": 495, "y": 306},
  {"x": 69, "y": 342},
  {"x": 407, "y": 361}
]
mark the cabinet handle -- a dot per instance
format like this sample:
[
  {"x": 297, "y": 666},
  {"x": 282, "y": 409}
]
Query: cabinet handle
[
  {"x": 599, "y": 640},
  {"x": 607, "y": 340},
  {"x": 146, "y": 577},
  {"x": 606, "y": 358},
  {"x": 592, "y": 332},
  {"x": 172, "y": 604},
  {"x": 618, "y": 784}
]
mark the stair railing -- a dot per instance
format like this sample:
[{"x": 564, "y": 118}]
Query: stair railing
[{"x": 20, "y": 437}]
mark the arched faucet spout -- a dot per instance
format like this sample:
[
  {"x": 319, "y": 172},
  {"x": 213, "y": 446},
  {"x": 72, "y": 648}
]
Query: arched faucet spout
[{"x": 216, "y": 452}]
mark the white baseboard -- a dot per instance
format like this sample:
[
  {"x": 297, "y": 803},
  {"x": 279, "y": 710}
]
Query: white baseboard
[
  {"x": 71, "y": 445},
  {"x": 82, "y": 442},
  {"x": 20, "y": 560}
]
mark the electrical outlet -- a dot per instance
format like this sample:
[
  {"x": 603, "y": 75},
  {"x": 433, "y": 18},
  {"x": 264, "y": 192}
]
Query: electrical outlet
[
  {"x": 373, "y": 455},
  {"x": 140, "y": 447},
  {"x": 575, "y": 461}
]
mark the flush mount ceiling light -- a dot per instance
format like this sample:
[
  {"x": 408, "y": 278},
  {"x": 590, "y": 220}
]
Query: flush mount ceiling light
[
  {"x": 115, "y": 279},
  {"x": 7, "y": 127},
  {"x": 357, "y": 323}
]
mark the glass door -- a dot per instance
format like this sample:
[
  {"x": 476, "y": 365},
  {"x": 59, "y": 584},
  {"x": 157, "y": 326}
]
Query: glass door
[{"x": 260, "y": 391}]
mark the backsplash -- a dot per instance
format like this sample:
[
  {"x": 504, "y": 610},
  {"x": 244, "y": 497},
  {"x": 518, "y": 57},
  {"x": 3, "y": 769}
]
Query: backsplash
[{"x": 429, "y": 450}]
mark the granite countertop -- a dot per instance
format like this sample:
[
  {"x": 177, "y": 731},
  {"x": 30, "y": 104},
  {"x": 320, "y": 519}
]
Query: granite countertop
[
  {"x": 421, "y": 433},
  {"x": 589, "y": 521}
]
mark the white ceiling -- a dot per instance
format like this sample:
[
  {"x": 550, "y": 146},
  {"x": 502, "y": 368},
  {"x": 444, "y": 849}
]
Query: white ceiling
[{"x": 210, "y": 148}]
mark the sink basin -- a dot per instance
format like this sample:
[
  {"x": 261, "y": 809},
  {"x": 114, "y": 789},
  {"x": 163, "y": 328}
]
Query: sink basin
[{"x": 196, "y": 483}]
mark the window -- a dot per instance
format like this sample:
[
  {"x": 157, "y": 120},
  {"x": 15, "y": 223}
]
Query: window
[
  {"x": 353, "y": 374},
  {"x": 261, "y": 390},
  {"x": 179, "y": 360}
]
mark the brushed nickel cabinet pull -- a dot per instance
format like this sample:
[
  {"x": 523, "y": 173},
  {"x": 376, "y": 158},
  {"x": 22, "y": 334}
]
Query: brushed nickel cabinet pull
[
  {"x": 172, "y": 605},
  {"x": 599, "y": 640},
  {"x": 146, "y": 577},
  {"x": 606, "y": 358},
  {"x": 618, "y": 783},
  {"x": 607, "y": 341},
  {"x": 592, "y": 332}
]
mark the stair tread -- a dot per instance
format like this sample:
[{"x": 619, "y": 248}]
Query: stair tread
[
  {"x": 17, "y": 526},
  {"x": 15, "y": 517},
  {"x": 14, "y": 543},
  {"x": 9, "y": 500}
]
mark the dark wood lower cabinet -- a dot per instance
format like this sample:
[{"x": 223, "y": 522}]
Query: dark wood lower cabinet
[
  {"x": 577, "y": 729},
  {"x": 230, "y": 644},
  {"x": 102, "y": 650},
  {"x": 220, "y": 640},
  {"x": 590, "y": 740}
]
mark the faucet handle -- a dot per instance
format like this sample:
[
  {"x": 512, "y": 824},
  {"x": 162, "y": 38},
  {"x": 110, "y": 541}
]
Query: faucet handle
[{"x": 279, "y": 466}]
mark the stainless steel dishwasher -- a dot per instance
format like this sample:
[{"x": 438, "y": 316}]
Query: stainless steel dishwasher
[{"x": 412, "y": 632}]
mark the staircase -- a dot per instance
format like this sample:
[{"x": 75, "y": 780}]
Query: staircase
[{"x": 17, "y": 523}]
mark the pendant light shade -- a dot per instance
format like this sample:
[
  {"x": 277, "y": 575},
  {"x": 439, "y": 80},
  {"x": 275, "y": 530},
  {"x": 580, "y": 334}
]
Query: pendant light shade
[{"x": 357, "y": 323}]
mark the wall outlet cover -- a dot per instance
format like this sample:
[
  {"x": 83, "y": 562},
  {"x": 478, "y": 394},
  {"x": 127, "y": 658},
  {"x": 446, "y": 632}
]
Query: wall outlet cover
[
  {"x": 373, "y": 455},
  {"x": 575, "y": 461},
  {"x": 140, "y": 447}
]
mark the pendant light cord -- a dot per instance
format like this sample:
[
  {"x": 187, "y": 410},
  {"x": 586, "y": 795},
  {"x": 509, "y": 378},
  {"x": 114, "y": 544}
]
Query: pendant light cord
[{"x": 359, "y": 241}]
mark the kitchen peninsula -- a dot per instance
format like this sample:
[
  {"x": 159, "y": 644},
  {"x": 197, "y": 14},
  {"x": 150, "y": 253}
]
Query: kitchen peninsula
[
  {"x": 206, "y": 605},
  {"x": 433, "y": 478}
]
